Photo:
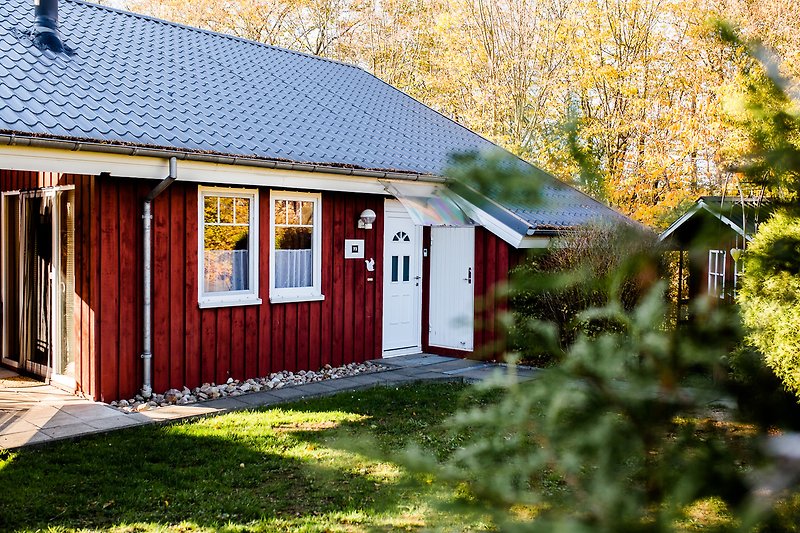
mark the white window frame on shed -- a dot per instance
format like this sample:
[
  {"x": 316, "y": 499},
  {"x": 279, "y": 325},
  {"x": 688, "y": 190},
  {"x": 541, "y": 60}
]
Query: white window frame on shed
[
  {"x": 313, "y": 292},
  {"x": 717, "y": 260},
  {"x": 229, "y": 298}
]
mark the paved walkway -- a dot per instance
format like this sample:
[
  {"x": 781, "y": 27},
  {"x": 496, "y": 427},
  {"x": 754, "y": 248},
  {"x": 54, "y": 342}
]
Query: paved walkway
[{"x": 34, "y": 413}]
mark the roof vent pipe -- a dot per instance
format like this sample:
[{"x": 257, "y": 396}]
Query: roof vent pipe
[{"x": 45, "y": 27}]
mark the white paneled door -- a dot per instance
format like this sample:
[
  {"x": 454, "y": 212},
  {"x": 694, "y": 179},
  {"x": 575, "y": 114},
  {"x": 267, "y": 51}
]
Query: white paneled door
[
  {"x": 452, "y": 287},
  {"x": 402, "y": 282}
]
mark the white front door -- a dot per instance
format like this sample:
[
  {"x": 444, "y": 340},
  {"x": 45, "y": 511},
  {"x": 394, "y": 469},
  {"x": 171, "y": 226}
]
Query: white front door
[
  {"x": 402, "y": 282},
  {"x": 452, "y": 288}
]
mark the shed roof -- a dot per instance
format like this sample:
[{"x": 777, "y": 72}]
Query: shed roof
[
  {"x": 141, "y": 81},
  {"x": 741, "y": 215}
]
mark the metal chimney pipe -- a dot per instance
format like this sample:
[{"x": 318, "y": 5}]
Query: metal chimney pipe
[{"x": 45, "y": 26}]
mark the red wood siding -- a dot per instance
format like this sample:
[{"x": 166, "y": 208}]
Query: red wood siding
[
  {"x": 493, "y": 260},
  {"x": 193, "y": 345},
  {"x": 86, "y": 253}
]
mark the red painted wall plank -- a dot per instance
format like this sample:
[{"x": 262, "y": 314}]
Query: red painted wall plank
[
  {"x": 161, "y": 293},
  {"x": 303, "y": 325},
  {"x": 129, "y": 310},
  {"x": 191, "y": 313},
  {"x": 290, "y": 337},
  {"x": 326, "y": 313},
  {"x": 251, "y": 336},
  {"x": 339, "y": 311},
  {"x": 238, "y": 334},
  {"x": 223, "y": 344},
  {"x": 177, "y": 285},
  {"x": 265, "y": 359},
  {"x": 208, "y": 327},
  {"x": 109, "y": 292}
]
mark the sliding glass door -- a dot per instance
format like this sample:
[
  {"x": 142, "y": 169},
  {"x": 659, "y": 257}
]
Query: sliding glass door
[{"x": 39, "y": 282}]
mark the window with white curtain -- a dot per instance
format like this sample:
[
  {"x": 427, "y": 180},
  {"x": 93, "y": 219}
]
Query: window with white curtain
[
  {"x": 228, "y": 244},
  {"x": 295, "y": 247}
]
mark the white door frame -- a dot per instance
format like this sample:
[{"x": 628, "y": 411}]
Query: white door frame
[
  {"x": 394, "y": 209},
  {"x": 45, "y": 371}
]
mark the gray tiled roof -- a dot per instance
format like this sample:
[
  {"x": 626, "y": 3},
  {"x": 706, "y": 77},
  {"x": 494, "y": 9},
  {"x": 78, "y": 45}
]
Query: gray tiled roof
[{"x": 147, "y": 82}]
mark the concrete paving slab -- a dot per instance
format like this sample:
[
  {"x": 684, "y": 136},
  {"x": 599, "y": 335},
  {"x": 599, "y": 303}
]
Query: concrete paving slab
[
  {"x": 25, "y": 438},
  {"x": 258, "y": 399},
  {"x": 116, "y": 422},
  {"x": 315, "y": 389},
  {"x": 341, "y": 384},
  {"x": 68, "y": 430},
  {"x": 413, "y": 360},
  {"x": 177, "y": 412},
  {"x": 288, "y": 393},
  {"x": 90, "y": 411},
  {"x": 225, "y": 404},
  {"x": 453, "y": 365},
  {"x": 18, "y": 425}
]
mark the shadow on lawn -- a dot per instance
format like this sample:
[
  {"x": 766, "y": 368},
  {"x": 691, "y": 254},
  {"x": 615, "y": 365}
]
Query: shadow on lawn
[{"x": 166, "y": 475}]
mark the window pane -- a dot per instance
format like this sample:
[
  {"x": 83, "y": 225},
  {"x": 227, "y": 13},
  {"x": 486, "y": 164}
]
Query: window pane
[
  {"x": 210, "y": 209},
  {"x": 307, "y": 216},
  {"x": 280, "y": 212},
  {"x": 294, "y": 260},
  {"x": 226, "y": 210},
  {"x": 226, "y": 258},
  {"x": 241, "y": 212},
  {"x": 406, "y": 267},
  {"x": 226, "y": 253},
  {"x": 293, "y": 212},
  {"x": 293, "y": 238},
  {"x": 394, "y": 267}
]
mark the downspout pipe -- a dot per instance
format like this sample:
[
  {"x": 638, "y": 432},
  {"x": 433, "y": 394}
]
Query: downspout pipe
[{"x": 147, "y": 324}]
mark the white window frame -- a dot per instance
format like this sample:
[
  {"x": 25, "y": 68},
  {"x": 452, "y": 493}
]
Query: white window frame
[
  {"x": 716, "y": 278},
  {"x": 230, "y": 298},
  {"x": 297, "y": 294}
]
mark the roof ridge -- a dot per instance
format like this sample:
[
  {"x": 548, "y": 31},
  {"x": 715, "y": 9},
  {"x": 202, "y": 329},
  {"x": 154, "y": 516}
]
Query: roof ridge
[{"x": 210, "y": 32}]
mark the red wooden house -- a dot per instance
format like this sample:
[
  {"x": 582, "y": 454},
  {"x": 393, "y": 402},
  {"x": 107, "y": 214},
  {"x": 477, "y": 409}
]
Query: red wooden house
[{"x": 180, "y": 206}]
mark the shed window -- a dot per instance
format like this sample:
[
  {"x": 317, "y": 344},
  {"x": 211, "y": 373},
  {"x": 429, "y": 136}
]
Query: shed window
[
  {"x": 228, "y": 246},
  {"x": 295, "y": 247},
  {"x": 716, "y": 273}
]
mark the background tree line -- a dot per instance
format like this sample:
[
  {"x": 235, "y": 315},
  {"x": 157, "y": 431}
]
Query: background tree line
[{"x": 634, "y": 88}]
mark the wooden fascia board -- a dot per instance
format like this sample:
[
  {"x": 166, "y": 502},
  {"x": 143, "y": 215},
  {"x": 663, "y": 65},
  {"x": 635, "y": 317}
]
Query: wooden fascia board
[
  {"x": 697, "y": 207},
  {"x": 38, "y": 159}
]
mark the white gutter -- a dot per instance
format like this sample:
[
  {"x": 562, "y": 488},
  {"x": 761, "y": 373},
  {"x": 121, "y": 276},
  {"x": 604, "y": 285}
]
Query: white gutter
[{"x": 147, "y": 325}]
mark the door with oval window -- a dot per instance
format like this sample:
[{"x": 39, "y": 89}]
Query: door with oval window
[{"x": 402, "y": 282}]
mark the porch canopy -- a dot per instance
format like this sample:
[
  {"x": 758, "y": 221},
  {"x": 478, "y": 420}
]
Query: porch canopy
[{"x": 430, "y": 206}]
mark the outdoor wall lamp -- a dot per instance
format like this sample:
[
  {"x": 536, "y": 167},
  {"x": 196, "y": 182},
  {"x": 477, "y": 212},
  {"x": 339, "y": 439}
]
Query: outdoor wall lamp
[{"x": 366, "y": 219}]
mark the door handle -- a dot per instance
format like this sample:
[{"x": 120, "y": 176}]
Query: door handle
[{"x": 468, "y": 279}]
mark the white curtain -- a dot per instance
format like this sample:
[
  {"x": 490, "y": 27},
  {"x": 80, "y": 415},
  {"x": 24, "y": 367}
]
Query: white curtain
[{"x": 293, "y": 268}]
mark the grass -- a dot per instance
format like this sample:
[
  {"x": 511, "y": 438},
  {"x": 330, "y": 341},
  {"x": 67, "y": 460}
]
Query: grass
[{"x": 316, "y": 465}]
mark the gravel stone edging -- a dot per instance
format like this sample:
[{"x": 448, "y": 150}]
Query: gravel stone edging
[{"x": 233, "y": 387}]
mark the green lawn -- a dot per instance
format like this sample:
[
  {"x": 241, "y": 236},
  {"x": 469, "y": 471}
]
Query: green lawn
[{"x": 292, "y": 468}]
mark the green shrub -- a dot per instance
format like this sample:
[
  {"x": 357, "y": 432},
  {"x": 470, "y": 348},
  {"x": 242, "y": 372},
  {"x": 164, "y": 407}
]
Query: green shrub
[
  {"x": 572, "y": 275},
  {"x": 770, "y": 296}
]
